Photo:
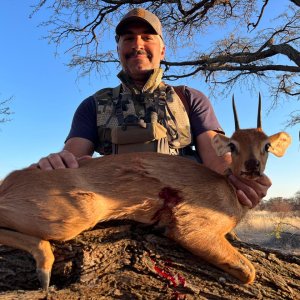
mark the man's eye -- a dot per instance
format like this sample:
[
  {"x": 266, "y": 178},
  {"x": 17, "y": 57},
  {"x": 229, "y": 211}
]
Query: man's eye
[{"x": 127, "y": 37}]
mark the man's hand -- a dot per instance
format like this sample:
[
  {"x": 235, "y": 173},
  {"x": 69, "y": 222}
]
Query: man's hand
[
  {"x": 74, "y": 150},
  {"x": 250, "y": 192},
  {"x": 60, "y": 160}
]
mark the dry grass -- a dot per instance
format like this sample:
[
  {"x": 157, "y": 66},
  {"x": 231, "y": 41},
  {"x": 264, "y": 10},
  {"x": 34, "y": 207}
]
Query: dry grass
[{"x": 280, "y": 231}]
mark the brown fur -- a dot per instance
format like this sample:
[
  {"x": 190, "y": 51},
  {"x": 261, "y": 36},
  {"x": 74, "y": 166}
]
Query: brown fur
[{"x": 195, "y": 205}]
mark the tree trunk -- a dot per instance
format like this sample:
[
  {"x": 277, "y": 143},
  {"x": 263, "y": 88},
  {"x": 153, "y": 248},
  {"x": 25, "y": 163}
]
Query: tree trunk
[{"x": 125, "y": 260}]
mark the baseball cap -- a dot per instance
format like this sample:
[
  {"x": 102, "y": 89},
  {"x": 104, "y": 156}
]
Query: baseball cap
[{"x": 140, "y": 14}]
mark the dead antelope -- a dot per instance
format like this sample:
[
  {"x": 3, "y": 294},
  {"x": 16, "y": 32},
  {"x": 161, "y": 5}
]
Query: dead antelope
[{"x": 196, "y": 206}]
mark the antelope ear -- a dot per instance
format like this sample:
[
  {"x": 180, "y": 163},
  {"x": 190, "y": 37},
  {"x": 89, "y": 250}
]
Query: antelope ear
[
  {"x": 220, "y": 143},
  {"x": 279, "y": 143}
]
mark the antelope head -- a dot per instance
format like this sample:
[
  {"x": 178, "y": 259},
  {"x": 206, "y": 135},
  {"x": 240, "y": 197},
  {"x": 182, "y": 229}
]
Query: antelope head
[{"x": 250, "y": 147}]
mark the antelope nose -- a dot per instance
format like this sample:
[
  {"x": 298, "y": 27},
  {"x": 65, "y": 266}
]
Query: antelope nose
[{"x": 252, "y": 165}]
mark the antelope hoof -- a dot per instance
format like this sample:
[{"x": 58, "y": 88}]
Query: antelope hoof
[{"x": 44, "y": 278}]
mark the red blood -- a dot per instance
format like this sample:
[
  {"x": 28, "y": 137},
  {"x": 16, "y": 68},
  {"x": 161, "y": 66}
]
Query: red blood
[{"x": 170, "y": 196}]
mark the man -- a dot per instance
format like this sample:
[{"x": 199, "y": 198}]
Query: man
[{"x": 144, "y": 114}]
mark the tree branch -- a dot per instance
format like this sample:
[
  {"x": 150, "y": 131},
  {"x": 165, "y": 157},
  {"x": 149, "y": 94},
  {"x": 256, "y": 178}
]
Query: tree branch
[
  {"x": 5, "y": 110},
  {"x": 254, "y": 25},
  {"x": 86, "y": 26}
]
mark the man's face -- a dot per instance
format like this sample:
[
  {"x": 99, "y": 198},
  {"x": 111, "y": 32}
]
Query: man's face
[{"x": 140, "y": 51}]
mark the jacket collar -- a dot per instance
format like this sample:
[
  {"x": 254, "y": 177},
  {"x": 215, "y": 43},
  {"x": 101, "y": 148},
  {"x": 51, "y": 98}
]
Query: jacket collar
[{"x": 150, "y": 86}]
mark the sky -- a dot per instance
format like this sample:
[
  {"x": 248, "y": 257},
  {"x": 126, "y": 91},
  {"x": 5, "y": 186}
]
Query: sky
[{"x": 45, "y": 93}]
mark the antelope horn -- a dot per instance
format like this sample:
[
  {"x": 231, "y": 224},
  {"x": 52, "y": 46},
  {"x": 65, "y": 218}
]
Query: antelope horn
[
  {"x": 236, "y": 120},
  {"x": 259, "y": 112}
]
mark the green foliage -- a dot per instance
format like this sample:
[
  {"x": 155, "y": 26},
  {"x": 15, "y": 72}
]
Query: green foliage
[{"x": 278, "y": 229}]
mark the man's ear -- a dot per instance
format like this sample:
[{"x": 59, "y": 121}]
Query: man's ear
[
  {"x": 279, "y": 143},
  {"x": 220, "y": 143}
]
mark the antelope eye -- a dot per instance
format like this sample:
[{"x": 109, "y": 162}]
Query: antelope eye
[
  {"x": 267, "y": 146},
  {"x": 232, "y": 147}
]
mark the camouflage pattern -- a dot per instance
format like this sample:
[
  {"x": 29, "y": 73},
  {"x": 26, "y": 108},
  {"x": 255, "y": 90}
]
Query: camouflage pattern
[{"x": 156, "y": 108}]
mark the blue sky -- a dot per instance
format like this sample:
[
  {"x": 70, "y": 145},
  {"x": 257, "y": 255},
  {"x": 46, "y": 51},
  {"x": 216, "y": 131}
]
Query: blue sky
[{"x": 46, "y": 93}]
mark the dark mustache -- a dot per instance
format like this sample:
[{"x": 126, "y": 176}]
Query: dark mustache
[{"x": 137, "y": 52}]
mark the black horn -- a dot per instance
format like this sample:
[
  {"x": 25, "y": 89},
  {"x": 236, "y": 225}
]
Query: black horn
[
  {"x": 236, "y": 120},
  {"x": 259, "y": 112}
]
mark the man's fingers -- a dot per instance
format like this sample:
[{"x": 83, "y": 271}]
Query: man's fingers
[
  {"x": 243, "y": 199},
  {"x": 84, "y": 157},
  {"x": 56, "y": 160},
  {"x": 60, "y": 160},
  {"x": 260, "y": 186},
  {"x": 45, "y": 164},
  {"x": 33, "y": 166},
  {"x": 265, "y": 183},
  {"x": 250, "y": 191},
  {"x": 69, "y": 159}
]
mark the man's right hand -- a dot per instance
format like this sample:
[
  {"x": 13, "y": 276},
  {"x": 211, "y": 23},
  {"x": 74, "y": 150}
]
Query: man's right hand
[
  {"x": 75, "y": 149},
  {"x": 60, "y": 160}
]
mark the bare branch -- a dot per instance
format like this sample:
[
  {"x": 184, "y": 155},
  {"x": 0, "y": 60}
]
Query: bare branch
[
  {"x": 254, "y": 25},
  {"x": 294, "y": 119},
  {"x": 270, "y": 55},
  {"x": 5, "y": 110}
]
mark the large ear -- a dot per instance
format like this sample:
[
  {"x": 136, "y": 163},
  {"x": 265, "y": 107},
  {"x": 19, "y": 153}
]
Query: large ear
[
  {"x": 220, "y": 143},
  {"x": 279, "y": 143}
]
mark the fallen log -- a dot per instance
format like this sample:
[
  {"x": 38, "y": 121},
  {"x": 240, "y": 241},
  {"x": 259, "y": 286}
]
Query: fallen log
[{"x": 126, "y": 260}]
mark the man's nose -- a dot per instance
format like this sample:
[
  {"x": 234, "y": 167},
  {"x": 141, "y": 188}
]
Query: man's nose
[{"x": 138, "y": 43}]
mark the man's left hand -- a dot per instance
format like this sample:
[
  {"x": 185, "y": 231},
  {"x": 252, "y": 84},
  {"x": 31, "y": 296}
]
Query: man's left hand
[{"x": 250, "y": 192}]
